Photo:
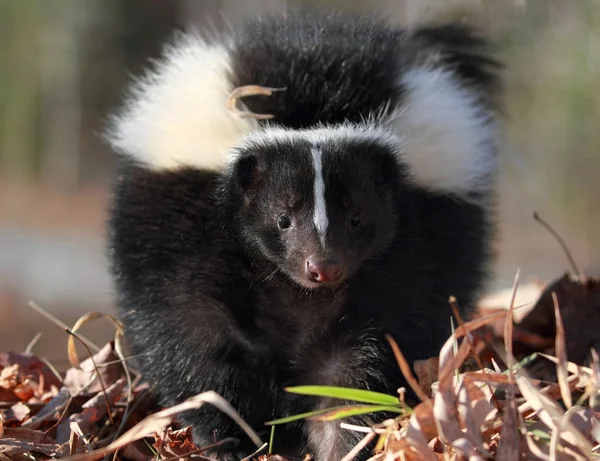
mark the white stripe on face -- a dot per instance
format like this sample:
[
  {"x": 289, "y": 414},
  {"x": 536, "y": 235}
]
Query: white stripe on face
[{"x": 320, "y": 212}]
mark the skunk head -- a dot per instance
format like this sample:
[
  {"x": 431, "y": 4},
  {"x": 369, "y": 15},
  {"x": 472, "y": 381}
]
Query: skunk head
[{"x": 317, "y": 203}]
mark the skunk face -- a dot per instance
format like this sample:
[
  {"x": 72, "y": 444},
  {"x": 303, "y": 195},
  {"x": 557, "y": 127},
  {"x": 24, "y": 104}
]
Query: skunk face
[{"x": 318, "y": 203}]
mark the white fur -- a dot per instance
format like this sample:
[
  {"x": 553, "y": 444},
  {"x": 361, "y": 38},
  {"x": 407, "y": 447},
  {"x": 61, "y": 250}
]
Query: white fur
[
  {"x": 320, "y": 209},
  {"x": 446, "y": 137},
  {"x": 177, "y": 114},
  {"x": 367, "y": 132}
]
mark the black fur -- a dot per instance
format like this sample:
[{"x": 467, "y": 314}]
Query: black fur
[
  {"x": 344, "y": 69},
  {"x": 210, "y": 289}
]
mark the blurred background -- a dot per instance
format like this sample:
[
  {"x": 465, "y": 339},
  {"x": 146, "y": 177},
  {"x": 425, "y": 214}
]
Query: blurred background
[{"x": 63, "y": 68}]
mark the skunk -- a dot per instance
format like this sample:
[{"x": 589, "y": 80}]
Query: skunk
[{"x": 291, "y": 192}]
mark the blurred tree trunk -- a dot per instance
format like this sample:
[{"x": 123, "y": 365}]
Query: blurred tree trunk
[
  {"x": 19, "y": 88},
  {"x": 60, "y": 70}
]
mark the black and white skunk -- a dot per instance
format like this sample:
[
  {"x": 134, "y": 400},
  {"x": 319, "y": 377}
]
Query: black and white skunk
[{"x": 252, "y": 254}]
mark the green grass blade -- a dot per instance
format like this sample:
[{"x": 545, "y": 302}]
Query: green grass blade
[
  {"x": 356, "y": 410},
  {"x": 271, "y": 439},
  {"x": 309, "y": 414},
  {"x": 345, "y": 393}
]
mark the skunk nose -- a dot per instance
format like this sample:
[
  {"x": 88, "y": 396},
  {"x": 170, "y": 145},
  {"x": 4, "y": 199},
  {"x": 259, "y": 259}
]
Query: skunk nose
[{"x": 323, "y": 271}]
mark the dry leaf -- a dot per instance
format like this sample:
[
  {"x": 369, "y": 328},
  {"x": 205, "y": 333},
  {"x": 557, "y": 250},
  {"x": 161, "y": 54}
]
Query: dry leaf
[
  {"x": 51, "y": 410},
  {"x": 427, "y": 373},
  {"x": 92, "y": 411},
  {"x": 175, "y": 443},
  {"x": 78, "y": 378},
  {"x": 28, "y": 366},
  {"x": 20, "y": 411},
  {"x": 158, "y": 421},
  {"x": 19, "y": 440}
]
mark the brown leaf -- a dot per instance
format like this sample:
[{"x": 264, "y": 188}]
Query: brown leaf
[
  {"x": 423, "y": 413},
  {"x": 403, "y": 450},
  {"x": 8, "y": 396},
  {"x": 465, "y": 406},
  {"x": 445, "y": 406},
  {"x": 436, "y": 445},
  {"x": 158, "y": 421},
  {"x": 561, "y": 354},
  {"x": 92, "y": 411},
  {"x": 52, "y": 408},
  {"x": 421, "y": 429},
  {"x": 550, "y": 413},
  {"x": 427, "y": 373},
  {"x": 19, "y": 440},
  {"x": 29, "y": 366},
  {"x": 77, "y": 378},
  {"x": 9, "y": 376},
  {"x": 579, "y": 307},
  {"x": 175, "y": 443},
  {"x": 20, "y": 411}
]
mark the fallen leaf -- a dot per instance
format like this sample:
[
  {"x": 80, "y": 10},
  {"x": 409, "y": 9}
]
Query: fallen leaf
[
  {"x": 9, "y": 376},
  {"x": 8, "y": 396},
  {"x": 579, "y": 306},
  {"x": 18, "y": 440},
  {"x": 175, "y": 443},
  {"x": 30, "y": 366},
  {"x": 79, "y": 378},
  {"x": 427, "y": 373},
  {"x": 423, "y": 414},
  {"x": 92, "y": 411},
  {"x": 51, "y": 410},
  {"x": 20, "y": 411},
  {"x": 158, "y": 421},
  {"x": 421, "y": 428}
]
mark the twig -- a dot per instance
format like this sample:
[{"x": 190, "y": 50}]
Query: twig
[
  {"x": 355, "y": 428},
  {"x": 204, "y": 448},
  {"x": 62, "y": 415},
  {"x": 405, "y": 368},
  {"x": 251, "y": 456},
  {"x": 508, "y": 329},
  {"x": 560, "y": 241},
  {"x": 561, "y": 354},
  {"x": 61, "y": 324},
  {"x": 32, "y": 343},
  {"x": 360, "y": 446},
  {"x": 119, "y": 353},
  {"x": 52, "y": 368}
]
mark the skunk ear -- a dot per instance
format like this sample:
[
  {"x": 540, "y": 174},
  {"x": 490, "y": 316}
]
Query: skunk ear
[{"x": 247, "y": 172}]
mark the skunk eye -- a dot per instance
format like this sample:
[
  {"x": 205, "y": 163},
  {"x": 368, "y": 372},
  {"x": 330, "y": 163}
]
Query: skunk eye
[
  {"x": 284, "y": 221},
  {"x": 355, "y": 220}
]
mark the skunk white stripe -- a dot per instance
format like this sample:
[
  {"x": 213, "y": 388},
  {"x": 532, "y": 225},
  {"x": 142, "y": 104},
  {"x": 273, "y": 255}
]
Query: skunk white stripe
[{"x": 320, "y": 211}]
